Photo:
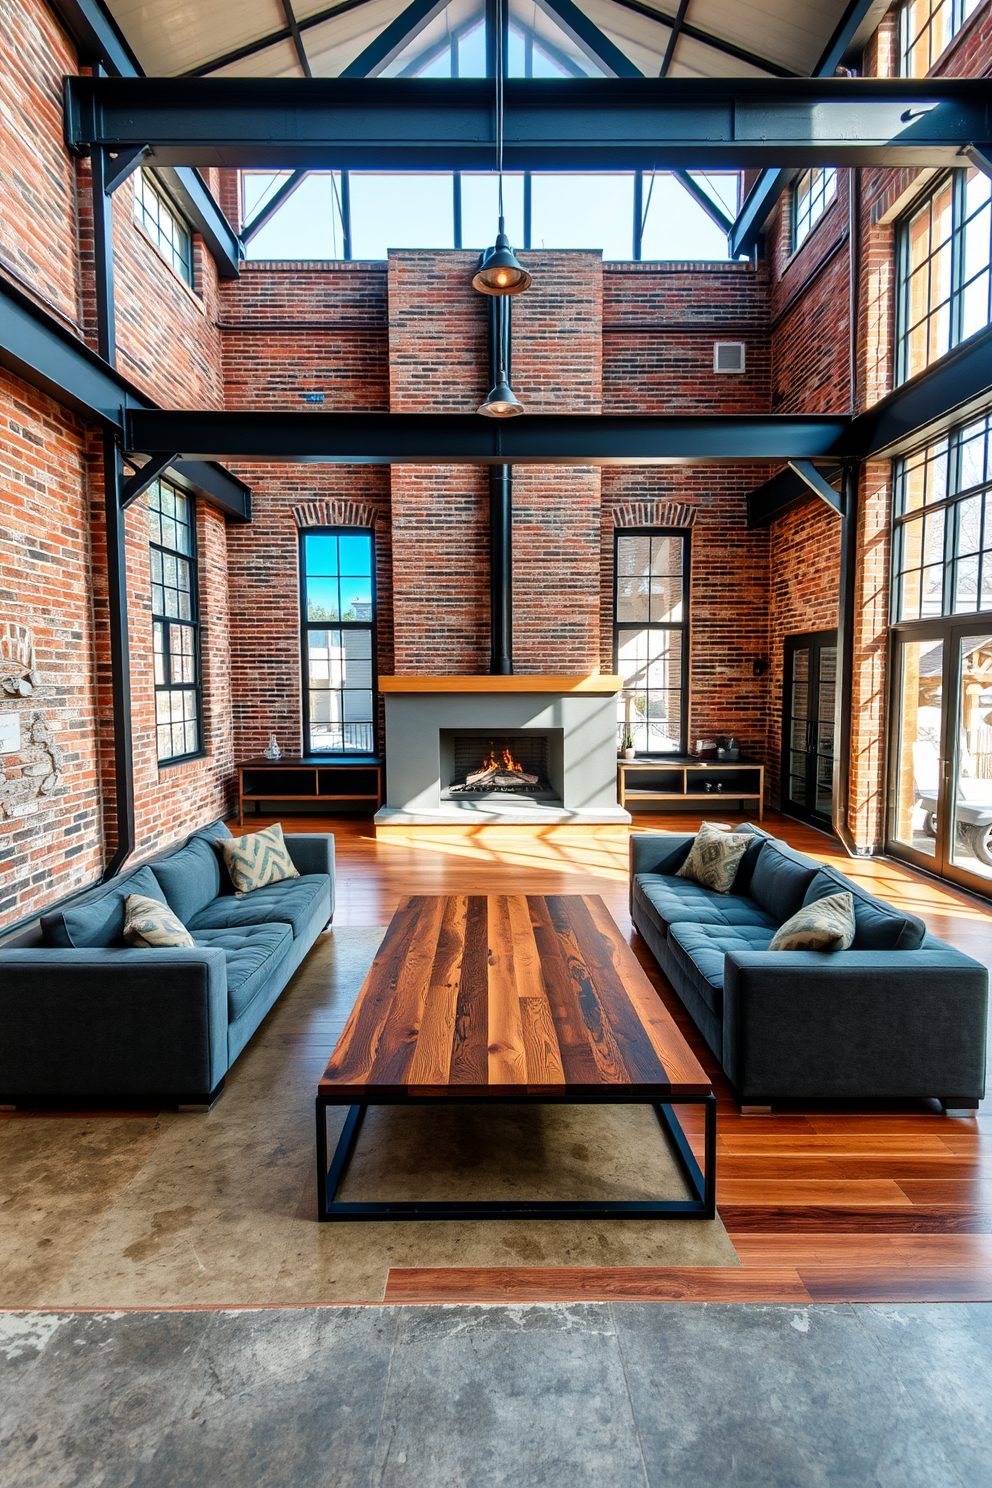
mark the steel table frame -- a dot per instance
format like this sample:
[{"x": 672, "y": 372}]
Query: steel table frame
[{"x": 702, "y": 1183}]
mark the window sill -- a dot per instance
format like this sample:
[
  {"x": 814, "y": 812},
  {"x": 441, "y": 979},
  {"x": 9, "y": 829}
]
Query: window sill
[{"x": 180, "y": 760}]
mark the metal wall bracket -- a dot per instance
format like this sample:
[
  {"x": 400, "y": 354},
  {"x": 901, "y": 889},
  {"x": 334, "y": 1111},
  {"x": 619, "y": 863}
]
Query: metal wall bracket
[
  {"x": 808, "y": 472},
  {"x": 138, "y": 483}
]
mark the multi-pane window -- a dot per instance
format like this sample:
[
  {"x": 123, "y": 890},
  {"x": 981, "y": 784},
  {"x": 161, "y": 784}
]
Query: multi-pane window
[
  {"x": 651, "y": 639},
  {"x": 175, "y": 622},
  {"x": 925, "y": 28},
  {"x": 338, "y": 598},
  {"x": 159, "y": 221},
  {"x": 945, "y": 284},
  {"x": 811, "y": 196},
  {"x": 943, "y": 534}
]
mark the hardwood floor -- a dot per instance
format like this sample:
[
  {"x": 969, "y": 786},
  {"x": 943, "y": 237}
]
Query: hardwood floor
[{"x": 827, "y": 1204}]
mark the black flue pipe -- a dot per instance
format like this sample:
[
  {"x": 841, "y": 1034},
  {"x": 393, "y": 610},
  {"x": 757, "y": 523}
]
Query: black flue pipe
[{"x": 500, "y": 509}]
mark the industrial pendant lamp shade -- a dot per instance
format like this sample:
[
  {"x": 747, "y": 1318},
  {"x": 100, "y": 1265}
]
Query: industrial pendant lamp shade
[
  {"x": 502, "y": 402},
  {"x": 500, "y": 273}
]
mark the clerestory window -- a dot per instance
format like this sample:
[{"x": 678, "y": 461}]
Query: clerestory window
[
  {"x": 811, "y": 196},
  {"x": 926, "y": 27},
  {"x": 163, "y": 225}
]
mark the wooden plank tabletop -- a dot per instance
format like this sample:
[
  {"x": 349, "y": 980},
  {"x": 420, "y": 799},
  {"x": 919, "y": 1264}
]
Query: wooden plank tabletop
[{"x": 509, "y": 996}]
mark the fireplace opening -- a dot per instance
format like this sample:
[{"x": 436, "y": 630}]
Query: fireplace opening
[{"x": 497, "y": 765}]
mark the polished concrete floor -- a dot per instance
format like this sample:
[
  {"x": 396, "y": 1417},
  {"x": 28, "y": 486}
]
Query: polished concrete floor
[{"x": 631, "y": 1395}]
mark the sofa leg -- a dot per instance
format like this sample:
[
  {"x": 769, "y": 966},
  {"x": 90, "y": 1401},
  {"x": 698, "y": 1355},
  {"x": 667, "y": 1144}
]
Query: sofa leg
[
  {"x": 959, "y": 1105},
  {"x": 756, "y": 1110},
  {"x": 200, "y": 1108}
]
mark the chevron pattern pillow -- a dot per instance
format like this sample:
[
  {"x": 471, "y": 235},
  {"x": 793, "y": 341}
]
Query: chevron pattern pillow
[
  {"x": 257, "y": 859},
  {"x": 149, "y": 922},
  {"x": 715, "y": 856},
  {"x": 825, "y": 925}
]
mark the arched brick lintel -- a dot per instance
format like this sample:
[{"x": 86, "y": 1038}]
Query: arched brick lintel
[
  {"x": 654, "y": 514},
  {"x": 335, "y": 514}
]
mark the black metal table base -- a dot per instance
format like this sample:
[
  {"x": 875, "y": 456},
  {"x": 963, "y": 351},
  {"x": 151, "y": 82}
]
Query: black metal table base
[{"x": 702, "y": 1183}]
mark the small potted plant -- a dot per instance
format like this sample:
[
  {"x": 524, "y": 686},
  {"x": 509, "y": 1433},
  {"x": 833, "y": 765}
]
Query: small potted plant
[{"x": 627, "y": 746}]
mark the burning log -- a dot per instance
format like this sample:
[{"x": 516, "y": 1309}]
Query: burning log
[{"x": 497, "y": 777}]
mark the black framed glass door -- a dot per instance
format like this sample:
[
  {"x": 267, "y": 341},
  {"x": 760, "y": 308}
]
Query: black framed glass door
[
  {"x": 809, "y": 700},
  {"x": 940, "y": 791}
]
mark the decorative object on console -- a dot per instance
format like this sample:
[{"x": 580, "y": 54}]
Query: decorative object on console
[
  {"x": 148, "y": 922},
  {"x": 273, "y": 752},
  {"x": 728, "y": 747},
  {"x": 714, "y": 857},
  {"x": 705, "y": 747},
  {"x": 257, "y": 859}
]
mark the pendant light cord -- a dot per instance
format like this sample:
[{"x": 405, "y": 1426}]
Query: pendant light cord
[{"x": 499, "y": 104}]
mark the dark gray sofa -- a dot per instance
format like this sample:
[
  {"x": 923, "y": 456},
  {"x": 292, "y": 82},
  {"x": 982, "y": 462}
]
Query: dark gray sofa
[
  {"x": 85, "y": 1016},
  {"x": 899, "y": 1015}
]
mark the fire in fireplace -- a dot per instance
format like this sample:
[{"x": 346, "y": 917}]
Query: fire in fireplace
[{"x": 500, "y": 766}]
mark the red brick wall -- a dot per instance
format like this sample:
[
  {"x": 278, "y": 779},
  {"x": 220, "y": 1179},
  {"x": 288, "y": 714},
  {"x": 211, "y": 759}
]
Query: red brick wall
[
  {"x": 659, "y": 325},
  {"x": 45, "y": 585},
  {"x": 37, "y": 176}
]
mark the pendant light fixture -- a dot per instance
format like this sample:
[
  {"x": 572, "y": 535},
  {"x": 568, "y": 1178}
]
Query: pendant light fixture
[
  {"x": 502, "y": 402},
  {"x": 500, "y": 272}
]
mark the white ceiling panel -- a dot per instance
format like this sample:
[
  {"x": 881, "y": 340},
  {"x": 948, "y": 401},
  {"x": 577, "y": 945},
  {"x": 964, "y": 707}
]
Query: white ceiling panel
[{"x": 173, "y": 36}]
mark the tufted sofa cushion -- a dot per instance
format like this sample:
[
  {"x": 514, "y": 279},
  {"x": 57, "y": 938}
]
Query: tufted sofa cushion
[
  {"x": 290, "y": 902},
  {"x": 251, "y": 952},
  {"x": 668, "y": 901},
  {"x": 700, "y": 949}
]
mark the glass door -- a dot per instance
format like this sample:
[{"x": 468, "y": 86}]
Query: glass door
[
  {"x": 809, "y": 701},
  {"x": 918, "y": 754},
  {"x": 971, "y": 769}
]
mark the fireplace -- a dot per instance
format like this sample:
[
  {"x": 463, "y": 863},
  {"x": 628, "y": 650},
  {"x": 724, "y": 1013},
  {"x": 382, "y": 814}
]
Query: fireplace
[{"x": 488, "y": 765}]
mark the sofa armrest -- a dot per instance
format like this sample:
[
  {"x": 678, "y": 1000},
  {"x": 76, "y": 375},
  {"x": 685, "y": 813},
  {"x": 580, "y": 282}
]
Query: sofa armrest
[
  {"x": 311, "y": 852},
  {"x": 658, "y": 852},
  {"x": 857, "y": 1024},
  {"x": 113, "y": 1021}
]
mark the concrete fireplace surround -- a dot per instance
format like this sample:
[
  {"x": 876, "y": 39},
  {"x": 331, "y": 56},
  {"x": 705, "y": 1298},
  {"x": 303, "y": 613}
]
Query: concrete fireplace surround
[{"x": 582, "y": 708}]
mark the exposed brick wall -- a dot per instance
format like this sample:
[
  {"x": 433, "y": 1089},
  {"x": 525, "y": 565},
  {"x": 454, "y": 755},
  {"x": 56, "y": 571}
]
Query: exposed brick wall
[
  {"x": 810, "y": 324},
  {"x": 804, "y": 572},
  {"x": 37, "y": 176},
  {"x": 293, "y": 329},
  {"x": 659, "y": 325},
  {"x": 45, "y": 585}
]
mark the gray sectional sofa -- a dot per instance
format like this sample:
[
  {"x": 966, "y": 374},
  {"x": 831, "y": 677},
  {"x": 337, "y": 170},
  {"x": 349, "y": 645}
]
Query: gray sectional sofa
[
  {"x": 83, "y": 1016},
  {"x": 900, "y": 1015}
]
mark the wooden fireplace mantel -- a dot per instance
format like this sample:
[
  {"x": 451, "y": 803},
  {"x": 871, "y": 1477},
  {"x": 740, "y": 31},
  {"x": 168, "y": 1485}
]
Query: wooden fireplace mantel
[{"x": 594, "y": 682}]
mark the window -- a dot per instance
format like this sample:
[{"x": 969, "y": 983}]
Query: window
[
  {"x": 168, "y": 232},
  {"x": 925, "y": 29},
  {"x": 175, "y": 622},
  {"x": 338, "y": 622},
  {"x": 945, "y": 247},
  {"x": 811, "y": 196},
  {"x": 651, "y": 639},
  {"x": 943, "y": 527}
]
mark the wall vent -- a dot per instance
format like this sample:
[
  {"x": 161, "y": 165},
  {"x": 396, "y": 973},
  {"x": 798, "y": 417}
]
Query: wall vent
[{"x": 728, "y": 356}]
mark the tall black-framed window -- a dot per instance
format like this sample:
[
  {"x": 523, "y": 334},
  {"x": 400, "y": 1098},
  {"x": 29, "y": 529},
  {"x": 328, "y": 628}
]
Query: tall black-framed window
[
  {"x": 163, "y": 225},
  {"x": 925, "y": 29},
  {"x": 338, "y": 636},
  {"x": 944, "y": 289},
  {"x": 651, "y": 638},
  {"x": 175, "y": 622}
]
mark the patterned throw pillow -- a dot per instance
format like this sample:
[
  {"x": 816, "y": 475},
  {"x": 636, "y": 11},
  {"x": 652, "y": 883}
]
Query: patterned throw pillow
[
  {"x": 715, "y": 856},
  {"x": 148, "y": 922},
  {"x": 825, "y": 925},
  {"x": 258, "y": 859}
]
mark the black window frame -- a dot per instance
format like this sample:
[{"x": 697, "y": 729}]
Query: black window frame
[
  {"x": 907, "y": 44},
  {"x": 193, "y": 625},
  {"x": 306, "y": 625},
  {"x": 172, "y": 258},
  {"x": 958, "y": 180},
  {"x": 825, "y": 197},
  {"x": 683, "y": 625}
]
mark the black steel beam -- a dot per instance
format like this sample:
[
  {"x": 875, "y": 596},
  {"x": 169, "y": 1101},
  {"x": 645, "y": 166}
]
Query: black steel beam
[
  {"x": 393, "y": 38},
  {"x": 38, "y": 350},
  {"x": 765, "y": 192},
  {"x": 783, "y": 493},
  {"x": 193, "y": 198},
  {"x": 564, "y": 124},
  {"x": 586, "y": 35},
  {"x": 465, "y": 439},
  {"x": 924, "y": 408},
  {"x": 96, "y": 35}
]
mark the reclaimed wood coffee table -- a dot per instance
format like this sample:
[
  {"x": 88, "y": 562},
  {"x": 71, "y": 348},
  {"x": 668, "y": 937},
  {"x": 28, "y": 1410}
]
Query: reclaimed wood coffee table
[{"x": 511, "y": 998}]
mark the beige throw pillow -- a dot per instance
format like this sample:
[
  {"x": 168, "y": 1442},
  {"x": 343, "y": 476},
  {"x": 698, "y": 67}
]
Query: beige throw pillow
[
  {"x": 715, "y": 856},
  {"x": 149, "y": 922},
  {"x": 257, "y": 859},
  {"x": 825, "y": 925}
]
